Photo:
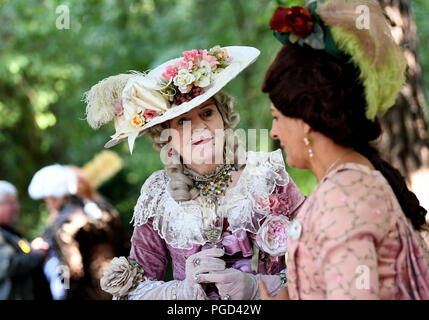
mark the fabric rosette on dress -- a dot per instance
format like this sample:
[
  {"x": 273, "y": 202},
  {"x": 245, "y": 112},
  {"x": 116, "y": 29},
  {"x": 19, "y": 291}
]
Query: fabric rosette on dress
[
  {"x": 272, "y": 236},
  {"x": 121, "y": 277}
]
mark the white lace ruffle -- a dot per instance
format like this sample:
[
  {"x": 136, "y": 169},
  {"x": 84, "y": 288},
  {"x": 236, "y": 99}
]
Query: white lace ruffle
[
  {"x": 145, "y": 287},
  {"x": 245, "y": 205}
]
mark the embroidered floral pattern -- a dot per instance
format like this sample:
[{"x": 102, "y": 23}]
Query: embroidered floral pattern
[{"x": 355, "y": 242}]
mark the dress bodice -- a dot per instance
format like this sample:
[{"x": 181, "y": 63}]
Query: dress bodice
[
  {"x": 244, "y": 205},
  {"x": 164, "y": 227}
]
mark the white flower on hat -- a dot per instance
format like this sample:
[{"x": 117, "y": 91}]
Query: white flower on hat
[
  {"x": 204, "y": 74},
  {"x": 183, "y": 79},
  {"x": 128, "y": 126}
]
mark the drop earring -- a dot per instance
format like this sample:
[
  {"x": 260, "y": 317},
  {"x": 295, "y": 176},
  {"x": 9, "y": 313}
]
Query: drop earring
[
  {"x": 307, "y": 142},
  {"x": 170, "y": 152}
]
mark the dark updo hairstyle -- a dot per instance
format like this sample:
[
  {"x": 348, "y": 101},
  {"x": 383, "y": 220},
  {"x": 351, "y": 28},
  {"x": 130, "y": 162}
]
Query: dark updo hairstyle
[{"x": 326, "y": 93}]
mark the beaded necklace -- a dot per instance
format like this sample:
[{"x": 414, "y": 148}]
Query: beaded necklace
[{"x": 212, "y": 186}]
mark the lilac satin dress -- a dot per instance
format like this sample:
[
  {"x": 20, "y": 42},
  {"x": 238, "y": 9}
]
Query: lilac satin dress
[{"x": 164, "y": 227}]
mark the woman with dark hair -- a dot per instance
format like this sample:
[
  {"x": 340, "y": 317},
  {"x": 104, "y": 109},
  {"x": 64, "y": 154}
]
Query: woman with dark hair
[{"x": 356, "y": 237}]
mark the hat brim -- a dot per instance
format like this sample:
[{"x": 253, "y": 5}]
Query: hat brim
[{"x": 241, "y": 56}]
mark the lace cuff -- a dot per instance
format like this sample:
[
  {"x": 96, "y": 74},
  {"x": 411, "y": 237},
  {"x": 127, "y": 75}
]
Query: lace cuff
[
  {"x": 249, "y": 202},
  {"x": 160, "y": 290},
  {"x": 150, "y": 290}
]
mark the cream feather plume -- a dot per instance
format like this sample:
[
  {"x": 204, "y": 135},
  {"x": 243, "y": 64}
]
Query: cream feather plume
[
  {"x": 102, "y": 97},
  {"x": 380, "y": 60},
  {"x": 375, "y": 40},
  {"x": 102, "y": 167}
]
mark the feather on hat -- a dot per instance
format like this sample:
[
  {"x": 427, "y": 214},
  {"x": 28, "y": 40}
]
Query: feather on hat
[
  {"x": 138, "y": 101},
  {"x": 370, "y": 47}
]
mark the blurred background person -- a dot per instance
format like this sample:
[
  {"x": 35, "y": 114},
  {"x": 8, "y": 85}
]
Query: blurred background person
[
  {"x": 21, "y": 275},
  {"x": 104, "y": 236},
  {"x": 80, "y": 229}
]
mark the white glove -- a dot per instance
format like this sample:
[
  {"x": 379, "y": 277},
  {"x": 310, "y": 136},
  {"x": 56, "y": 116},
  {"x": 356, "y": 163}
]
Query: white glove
[
  {"x": 233, "y": 284},
  {"x": 196, "y": 266}
]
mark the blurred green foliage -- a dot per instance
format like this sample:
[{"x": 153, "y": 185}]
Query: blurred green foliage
[
  {"x": 44, "y": 72},
  {"x": 421, "y": 12}
]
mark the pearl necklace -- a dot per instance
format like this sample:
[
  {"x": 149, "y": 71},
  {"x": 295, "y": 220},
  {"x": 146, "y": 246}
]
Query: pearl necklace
[{"x": 336, "y": 161}]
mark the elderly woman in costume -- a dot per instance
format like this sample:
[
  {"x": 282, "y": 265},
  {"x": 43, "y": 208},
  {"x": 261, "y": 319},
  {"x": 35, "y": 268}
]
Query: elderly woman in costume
[
  {"x": 216, "y": 210},
  {"x": 356, "y": 237}
]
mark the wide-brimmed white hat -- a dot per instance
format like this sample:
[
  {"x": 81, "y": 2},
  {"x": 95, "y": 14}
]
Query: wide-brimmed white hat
[
  {"x": 138, "y": 101},
  {"x": 53, "y": 181}
]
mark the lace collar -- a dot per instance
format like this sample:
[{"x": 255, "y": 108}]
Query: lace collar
[{"x": 244, "y": 205}]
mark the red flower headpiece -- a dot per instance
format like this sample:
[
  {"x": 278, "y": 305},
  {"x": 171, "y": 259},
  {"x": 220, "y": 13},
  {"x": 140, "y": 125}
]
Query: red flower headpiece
[{"x": 296, "y": 20}]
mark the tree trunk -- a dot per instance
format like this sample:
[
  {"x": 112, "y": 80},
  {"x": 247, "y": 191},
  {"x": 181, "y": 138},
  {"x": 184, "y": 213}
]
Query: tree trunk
[{"x": 404, "y": 143}]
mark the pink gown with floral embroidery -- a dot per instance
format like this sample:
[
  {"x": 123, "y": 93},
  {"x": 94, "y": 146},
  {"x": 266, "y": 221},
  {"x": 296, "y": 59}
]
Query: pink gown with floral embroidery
[
  {"x": 351, "y": 240},
  {"x": 164, "y": 227}
]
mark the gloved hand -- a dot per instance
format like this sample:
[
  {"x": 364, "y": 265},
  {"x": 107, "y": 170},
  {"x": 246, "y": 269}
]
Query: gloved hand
[
  {"x": 198, "y": 265},
  {"x": 233, "y": 284}
]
